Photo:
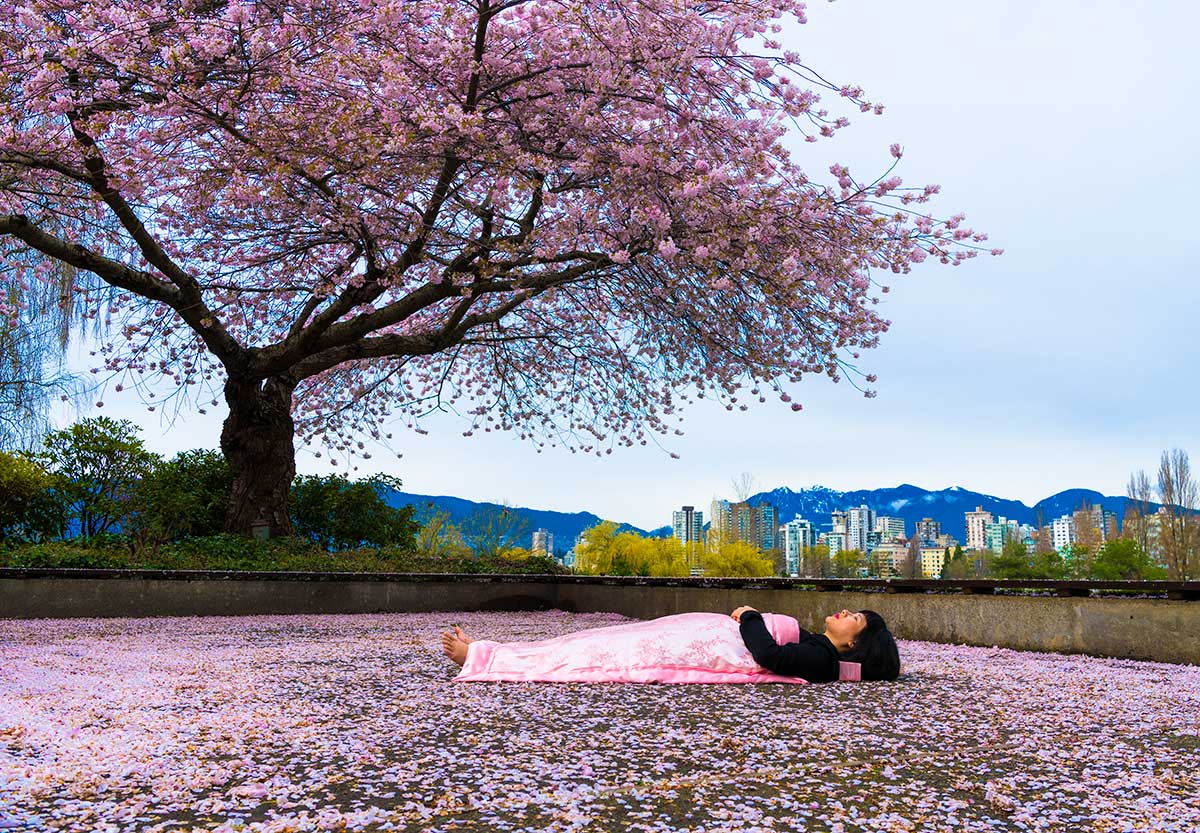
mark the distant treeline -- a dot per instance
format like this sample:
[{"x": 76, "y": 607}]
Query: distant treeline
[{"x": 94, "y": 496}]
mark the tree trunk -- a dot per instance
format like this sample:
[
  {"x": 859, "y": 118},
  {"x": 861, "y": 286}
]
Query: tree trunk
[{"x": 257, "y": 442}]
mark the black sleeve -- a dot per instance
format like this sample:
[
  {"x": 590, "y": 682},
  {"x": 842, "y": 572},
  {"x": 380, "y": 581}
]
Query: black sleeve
[{"x": 807, "y": 658}]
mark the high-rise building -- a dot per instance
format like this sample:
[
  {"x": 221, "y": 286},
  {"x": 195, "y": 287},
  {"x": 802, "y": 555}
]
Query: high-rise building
[
  {"x": 766, "y": 525},
  {"x": 928, "y": 529},
  {"x": 543, "y": 542},
  {"x": 977, "y": 523},
  {"x": 838, "y": 522},
  {"x": 688, "y": 528},
  {"x": 836, "y": 541},
  {"x": 797, "y": 537},
  {"x": 1094, "y": 525},
  {"x": 581, "y": 542},
  {"x": 743, "y": 522},
  {"x": 999, "y": 531},
  {"x": 889, "y": 529},
  {"x": 754, "y": 525},
  {"x": 860, "y": 521},
  {"x": 720, "y": 520},
  {"x": 1062, "y": 532},
  {"x": 688, "y": 525}
]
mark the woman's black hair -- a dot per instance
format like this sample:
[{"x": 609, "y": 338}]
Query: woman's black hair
[{"x": 875, "y": 649}]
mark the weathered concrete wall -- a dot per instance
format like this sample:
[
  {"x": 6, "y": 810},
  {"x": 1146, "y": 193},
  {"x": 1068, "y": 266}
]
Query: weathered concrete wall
[
  {"x": 53, "y": 598},
  {"x": 1158, "y": 629}
]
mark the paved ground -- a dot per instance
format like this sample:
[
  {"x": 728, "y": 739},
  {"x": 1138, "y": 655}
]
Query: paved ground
[{"x": 297, "y": 723}]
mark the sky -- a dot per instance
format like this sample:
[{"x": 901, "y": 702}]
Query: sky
[{"x": 1067, "y": 131}]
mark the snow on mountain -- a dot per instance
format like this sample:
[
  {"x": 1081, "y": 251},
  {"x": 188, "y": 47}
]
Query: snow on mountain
[{"x": 816, "y": 503}]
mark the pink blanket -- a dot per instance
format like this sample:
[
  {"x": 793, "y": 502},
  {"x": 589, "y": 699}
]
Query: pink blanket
[{"x": 684, "y": 648}]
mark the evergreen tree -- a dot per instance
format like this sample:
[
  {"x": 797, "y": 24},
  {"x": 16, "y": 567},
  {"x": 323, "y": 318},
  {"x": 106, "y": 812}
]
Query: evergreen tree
[
  {"x": 1121, "y": 559},
  {"x": 1012, "y": 562},
  {"x": 339, "y": 514}
]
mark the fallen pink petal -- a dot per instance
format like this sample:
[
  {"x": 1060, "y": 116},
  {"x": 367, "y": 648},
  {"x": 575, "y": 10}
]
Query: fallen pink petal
[{"x": 309, "y": 723}]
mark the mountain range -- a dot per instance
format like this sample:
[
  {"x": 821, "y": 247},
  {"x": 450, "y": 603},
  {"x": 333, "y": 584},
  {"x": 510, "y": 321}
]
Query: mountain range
[
  {"x": 947, "y": 506},
  {"x": 912, "y": 503},
  {"x": 565, "y": 526}
]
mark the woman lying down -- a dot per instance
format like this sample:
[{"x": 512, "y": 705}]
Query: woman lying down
[{"x": 744, "y": 647}]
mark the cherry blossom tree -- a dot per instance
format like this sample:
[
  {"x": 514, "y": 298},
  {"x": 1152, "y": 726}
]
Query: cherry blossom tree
[{"x": 566, "y": 219}]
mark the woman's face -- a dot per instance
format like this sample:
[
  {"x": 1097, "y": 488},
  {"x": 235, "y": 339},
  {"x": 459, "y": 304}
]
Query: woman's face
[{"x": 845, "y": 625}]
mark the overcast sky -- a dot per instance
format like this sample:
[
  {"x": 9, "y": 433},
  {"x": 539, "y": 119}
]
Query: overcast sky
[{"x": 1065, "y": 130}]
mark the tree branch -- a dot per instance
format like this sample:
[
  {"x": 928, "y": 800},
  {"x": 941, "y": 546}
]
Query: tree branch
[
  {"x": 421, "y": 344},
  {"x": 114, "y": 272},
  {"x": 300, "y": 340},
  {"x": 44, "y": 163},
  {"x": 93, "y": 161},
  {"x": 125, "y": 277}
]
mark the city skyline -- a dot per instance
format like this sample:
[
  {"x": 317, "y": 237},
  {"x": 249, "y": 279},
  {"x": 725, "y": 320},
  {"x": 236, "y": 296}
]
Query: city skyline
[
  {"x": 1043, "y": 370},
  {"x": 881, "y": 546}
]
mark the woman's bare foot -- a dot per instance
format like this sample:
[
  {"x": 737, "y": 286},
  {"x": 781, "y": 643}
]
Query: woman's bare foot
[{"x": 454, "y": 644}]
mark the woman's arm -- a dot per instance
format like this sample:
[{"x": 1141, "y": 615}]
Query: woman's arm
[{"x": 807, "y": 659}]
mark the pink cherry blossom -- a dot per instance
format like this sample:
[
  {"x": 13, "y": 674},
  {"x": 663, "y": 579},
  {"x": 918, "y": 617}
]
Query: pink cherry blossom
[
  {"x": 353, "y": 722},
  {"x": 361, "y": 209}
]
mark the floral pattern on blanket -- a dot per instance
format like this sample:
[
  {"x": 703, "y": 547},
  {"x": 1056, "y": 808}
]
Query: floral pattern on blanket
[{"x": 684, "y": 648}]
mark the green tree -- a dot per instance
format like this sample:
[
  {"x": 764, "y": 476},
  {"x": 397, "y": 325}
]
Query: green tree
[
  {"x": 849, "y": 563},
  {"x": 186, "y": 496},
  {"x": 605, "y": 551},
  {"x": 1122, "y": 559},
  {"x": 29, "y": 508},
  {"x": 491, "y": 529},
  {"x": 594, "y": 554},
  {"x": 439, "y": 536},
  {"x": 736, "y": 558},
  {"x": 97, "y": 464},
  {"x": 958, "y": 566},
  {"x": 339, "y": 514},
  {"x": 629, "y": 557},
  {"x": 667, "y": 557},
  {"x": 1077, "y": 560},
  {"x": 815, "y": 562},
  {"x": 1049, "y": 565},
  {"x": 1012, "y": 562}
]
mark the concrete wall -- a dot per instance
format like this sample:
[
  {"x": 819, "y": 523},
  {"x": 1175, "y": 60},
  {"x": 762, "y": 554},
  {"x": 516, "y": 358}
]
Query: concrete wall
[{"x": 1158, "y": 629}]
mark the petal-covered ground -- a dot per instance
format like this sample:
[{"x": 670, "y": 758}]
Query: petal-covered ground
[{"x": 297, "y": 723}]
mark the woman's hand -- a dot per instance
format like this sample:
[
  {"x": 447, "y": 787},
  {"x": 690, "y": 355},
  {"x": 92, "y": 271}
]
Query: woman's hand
[{"x": 737, "y": 614}]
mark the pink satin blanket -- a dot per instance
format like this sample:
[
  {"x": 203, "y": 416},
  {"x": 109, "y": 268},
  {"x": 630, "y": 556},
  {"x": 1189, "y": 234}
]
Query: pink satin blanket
[{"x": 684, "y": 648}]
